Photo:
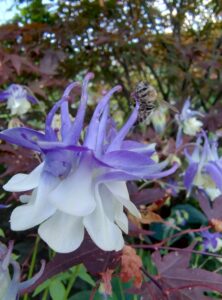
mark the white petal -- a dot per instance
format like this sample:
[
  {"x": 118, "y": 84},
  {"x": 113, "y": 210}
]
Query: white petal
[
  {"x": 25, "y": 198},
  {"x": 23, "y": 182},
  {"x": 113, "y": 208},
  {"x": 62, "y": 232},
  {"x": 38, "y": 208},
  {"x": 119, "y": 190},
  {"x": 102, "y": 231},
  {"x": 121, "y": 218},
  {"x": 74, "y": 195}
]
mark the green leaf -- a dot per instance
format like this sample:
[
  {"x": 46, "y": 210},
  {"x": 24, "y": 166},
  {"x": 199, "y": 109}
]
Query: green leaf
[
  {"x": 2, "y": 233},
  {"x": 195, "y": 216},
  {"x": 42, "y": 287},
  {"x": 57, "y": 290},
  {"x": 85, "y": 295},
  {"x": 85, "y": 276}
]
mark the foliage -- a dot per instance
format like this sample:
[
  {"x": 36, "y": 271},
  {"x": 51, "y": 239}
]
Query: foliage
[{"x": 175, "y": 45}]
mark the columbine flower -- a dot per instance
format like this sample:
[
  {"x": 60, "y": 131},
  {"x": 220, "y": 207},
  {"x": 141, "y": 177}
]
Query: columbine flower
[
  {"x": 205, "y": 168},
  {"x": 188, "y": 122},
  {"x": 212, "y": 241},
  {"x": 159, "y": 119},
  {"x": 18, "y": 98},
  {"x": 11, "y": 287},
  {"x": 81, "y": 184}
]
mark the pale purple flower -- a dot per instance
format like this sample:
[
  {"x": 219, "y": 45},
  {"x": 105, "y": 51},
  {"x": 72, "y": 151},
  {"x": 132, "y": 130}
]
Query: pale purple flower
[
  {"x": 11, "y": 287},
  {"x": 205, "y": 167},
  {"x": 81, "y": 183},
  {"x": 211, "y": 241},
  {"x": 19, "y": 99},
  {"x": 188, "y": 123}
]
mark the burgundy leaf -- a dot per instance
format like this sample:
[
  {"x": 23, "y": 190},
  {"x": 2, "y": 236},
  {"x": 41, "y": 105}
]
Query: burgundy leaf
[
  {"x": 177, "y": 281},
  {"x": 213, "y": 210},
  {"x": 16, "y": 62},
  {"x": 95, "y": 260},
  {"x": 50, "y": 62},
  {"x": 174, "y": 275},
  {"x": 144, "y": 196},
  {"x": 16, "y": 160}
]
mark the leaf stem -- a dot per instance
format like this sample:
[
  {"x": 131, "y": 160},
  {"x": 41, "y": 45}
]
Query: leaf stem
[
  {"x": 71, "y": 281},
  {"x": 32, "y": 266},
  {"x": 45, "y": 294}
]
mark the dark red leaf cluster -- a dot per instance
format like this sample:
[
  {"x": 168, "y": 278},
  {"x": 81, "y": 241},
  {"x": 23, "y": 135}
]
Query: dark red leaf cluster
[{"x": 175, "y": 280}]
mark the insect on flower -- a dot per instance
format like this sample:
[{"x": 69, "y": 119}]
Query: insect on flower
[
  {"x": 146, "y": 96},
  {"x": 91, "y": 172}
]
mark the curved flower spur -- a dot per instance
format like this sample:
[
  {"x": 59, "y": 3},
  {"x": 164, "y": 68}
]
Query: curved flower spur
[
  {"x": 11, "y": 287},
  {"x": 81, "y": 185}
]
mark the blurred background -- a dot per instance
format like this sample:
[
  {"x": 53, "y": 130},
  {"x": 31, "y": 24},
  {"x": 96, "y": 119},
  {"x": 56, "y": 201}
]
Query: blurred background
[{"x": 174, "y": 44}]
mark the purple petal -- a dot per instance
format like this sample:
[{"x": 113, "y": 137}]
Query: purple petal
[
  {"x": 4, "y": 206},
  {"x": 69, "y": 88},
  {"x": 212, "y": 169},
  {"x": 214, "y": 242},
  {"x": 102, "y": 132},
  {"x": 51, "y": 146},
  {"x": 127, "y": 160},
  {"x": 116, "y": 176},
  {"x": 7, "y": 258},
  {"x": 76, "y": 129},
  {"x": 148, "y": 174},
  {"x": 24, "y": 285},
  {"x": 116, "y": 143},
  {"x": 4, "y": 96},
  {"x": 190, "y": 175},
  {"x": 49, "y": 131},
  {"x": 32, "y": 99},
  {"x": 13, "y": 287},
  {"x": 24, "y": 137},
  {"x": 186, "y": 106},
  {"x": 179, "y": 139},
  {"x": 92, "y": 132},
  {"x": 138, "y": 147},
  {"x": 162, "y": 173},
  {"x": 111, "y": 130},
  {"x": 65, "y": 120}
]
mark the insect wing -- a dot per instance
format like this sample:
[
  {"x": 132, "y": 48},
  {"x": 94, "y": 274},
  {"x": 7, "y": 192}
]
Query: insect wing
[{"x": 171, "y": 107}]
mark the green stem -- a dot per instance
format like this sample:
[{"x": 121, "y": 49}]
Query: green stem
[
  {"x": 32, "y": 266},
  {"x": 121, "y": 290},
  {"x": 45, "y": 294},
  {"x": 71, "y": 281}
]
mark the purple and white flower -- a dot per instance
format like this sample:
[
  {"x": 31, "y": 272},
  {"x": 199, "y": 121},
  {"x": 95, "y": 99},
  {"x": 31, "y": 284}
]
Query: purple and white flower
[
  {"x": 212, "y": 241},
  {"x": 81, "y": 183},
  {"x": 188, "y": 123},
  {"x": 11, "y": 287},
  {"x": 205, "y": 167},
  {"x": 18, "y": 98}
]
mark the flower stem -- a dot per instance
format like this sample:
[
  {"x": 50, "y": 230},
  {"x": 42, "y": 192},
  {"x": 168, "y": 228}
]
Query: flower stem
[
  {"x": 71, "y": 281},
  {"x": 121, "y": 290},
  {"x": 45, "y": 294},
  {"x": 32, "y": 266}
]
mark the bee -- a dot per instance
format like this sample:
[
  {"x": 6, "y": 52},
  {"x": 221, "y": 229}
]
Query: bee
[{"x": 146, "y": 96}]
